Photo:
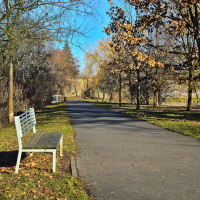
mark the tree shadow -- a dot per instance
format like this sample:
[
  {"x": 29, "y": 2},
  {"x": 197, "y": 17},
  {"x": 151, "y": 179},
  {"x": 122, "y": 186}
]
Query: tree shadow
[
  {"x": 9, "y": 158},
  {"x": 48, "y": 113}
]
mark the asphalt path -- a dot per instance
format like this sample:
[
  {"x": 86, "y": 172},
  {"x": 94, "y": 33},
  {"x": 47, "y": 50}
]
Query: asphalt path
[{"x": 123, "y": 158}]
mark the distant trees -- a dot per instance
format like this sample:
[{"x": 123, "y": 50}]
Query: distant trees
[
  {"x": 25, "y": 24},
  {"x": 38, "y": 73},
  {"x": 132, "y": 41},
  {"x": 156, "y": 47},
  {"x": 17, "y": 25},
  {"x": 66, "y": 68},
  {"x": 31, "y": 78},
  {"x": 99, "y": 66},
  {"x": 179, "y": 20}
]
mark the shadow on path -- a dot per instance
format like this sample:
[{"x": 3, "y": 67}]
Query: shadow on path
[{"x": 121, "y": 157}]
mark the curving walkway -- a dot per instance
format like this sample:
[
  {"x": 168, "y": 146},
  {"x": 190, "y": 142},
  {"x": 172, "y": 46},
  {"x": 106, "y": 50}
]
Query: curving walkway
[{"x": 123, "y": 158}]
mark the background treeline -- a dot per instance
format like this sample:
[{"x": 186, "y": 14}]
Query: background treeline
[
  {"x": 38, "y": 73},
  {"x": 30, "y": 67},
  {"x": 153, "y": 50}
]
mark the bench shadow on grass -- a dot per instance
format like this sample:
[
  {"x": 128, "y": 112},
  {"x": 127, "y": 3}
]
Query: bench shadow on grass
[{"x": 9, "y": 158}]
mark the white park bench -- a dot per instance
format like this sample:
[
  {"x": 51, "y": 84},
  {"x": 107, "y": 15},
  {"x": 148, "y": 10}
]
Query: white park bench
[{"x": 39, "y": 142}]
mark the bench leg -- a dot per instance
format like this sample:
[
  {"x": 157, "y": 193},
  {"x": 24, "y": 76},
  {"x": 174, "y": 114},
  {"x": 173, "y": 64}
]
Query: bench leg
[
  {"x": 61, "y": 146},
  {"x": 18, "y": 161},
  {"x": 54, "y": 161}
]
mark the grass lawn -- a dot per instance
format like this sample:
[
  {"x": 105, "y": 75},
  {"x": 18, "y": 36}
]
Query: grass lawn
[
  {"x": 35, "y": 179},
  {"x": 173, "y": 118}
]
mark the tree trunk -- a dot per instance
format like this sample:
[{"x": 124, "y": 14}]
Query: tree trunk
[
  {"x": 195, "y": 91},
  {"x": 189, "y": 106},
  {"x": 138, "y": 89},
  {"x": 103, "y": 95},
  {"x": 159, "y": 96},
  {"x": 111, "y": 97},
  {"x": 155, "y": 99},
  {"x": 120, "y": 89},
  {"x": 75, "y": 91},
  {"x": 10, "y": 101},
  {"x": 130, "y": 87},
  {"x": 190, "y": 86}
]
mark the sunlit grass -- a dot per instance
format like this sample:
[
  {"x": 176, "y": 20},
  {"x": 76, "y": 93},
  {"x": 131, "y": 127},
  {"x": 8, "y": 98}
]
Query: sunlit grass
[{"x": 35, "y": 179}]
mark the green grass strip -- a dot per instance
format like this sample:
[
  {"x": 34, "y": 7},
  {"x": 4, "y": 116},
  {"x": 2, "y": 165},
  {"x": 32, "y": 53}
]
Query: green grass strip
[{"x": 38, "y": 182}]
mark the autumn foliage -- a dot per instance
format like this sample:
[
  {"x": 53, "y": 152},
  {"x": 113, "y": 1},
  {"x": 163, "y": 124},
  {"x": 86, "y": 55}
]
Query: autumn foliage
[
  {"x": 155, "y": 45},
  {"x": 39, "y": 73},
  {"x": 179, "y": 21},
  {"x": 65, "y": 66}
]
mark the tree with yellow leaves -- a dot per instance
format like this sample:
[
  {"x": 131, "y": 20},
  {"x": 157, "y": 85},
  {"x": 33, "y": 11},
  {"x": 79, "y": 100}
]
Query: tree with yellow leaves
[
  {"x": 180, "y": 20},
  {"x": 99, "y": 66},
  {"x": 128, "y": 38}
]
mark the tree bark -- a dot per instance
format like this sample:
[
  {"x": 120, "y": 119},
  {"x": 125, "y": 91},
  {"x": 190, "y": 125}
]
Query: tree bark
[
  {"x": 120, "y": 89},
  {"x": 10, "y": 101},
  {"x": 111, "y": 97},
  {"x": 103, "y": 95},
  {"x": 130, "y": 87},
  {"x": 155, "y": 99},
  {"x": 138, "y": 89},
  {"x": 190, "y": 87}
]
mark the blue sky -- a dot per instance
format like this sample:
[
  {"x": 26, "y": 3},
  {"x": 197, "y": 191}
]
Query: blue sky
[
  {"x": 102, "y": 20},
  {"x": 95, "y": 34}
]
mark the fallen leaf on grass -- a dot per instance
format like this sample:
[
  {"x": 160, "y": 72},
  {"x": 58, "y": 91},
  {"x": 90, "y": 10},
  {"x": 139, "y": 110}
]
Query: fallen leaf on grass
[{"x": 100, "y": 163}]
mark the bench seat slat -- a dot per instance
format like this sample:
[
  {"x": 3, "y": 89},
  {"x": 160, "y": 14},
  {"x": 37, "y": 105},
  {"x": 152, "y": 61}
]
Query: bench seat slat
[
  {"x": 44, "y": 140},
  {"x": 53, "y": 143},
  {"x": 33, "y": 140}
]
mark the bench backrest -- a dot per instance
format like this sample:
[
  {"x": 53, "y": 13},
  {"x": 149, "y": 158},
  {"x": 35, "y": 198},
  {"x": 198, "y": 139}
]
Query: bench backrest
[{"x": 24, "y": 123}]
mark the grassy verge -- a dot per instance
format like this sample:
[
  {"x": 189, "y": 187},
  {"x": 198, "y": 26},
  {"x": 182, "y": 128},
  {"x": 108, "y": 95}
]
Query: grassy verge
[
  {"x": 35, "y": 179},
  {"x": 173, "y": 118},
  {"x": 181, "y": 99}
]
